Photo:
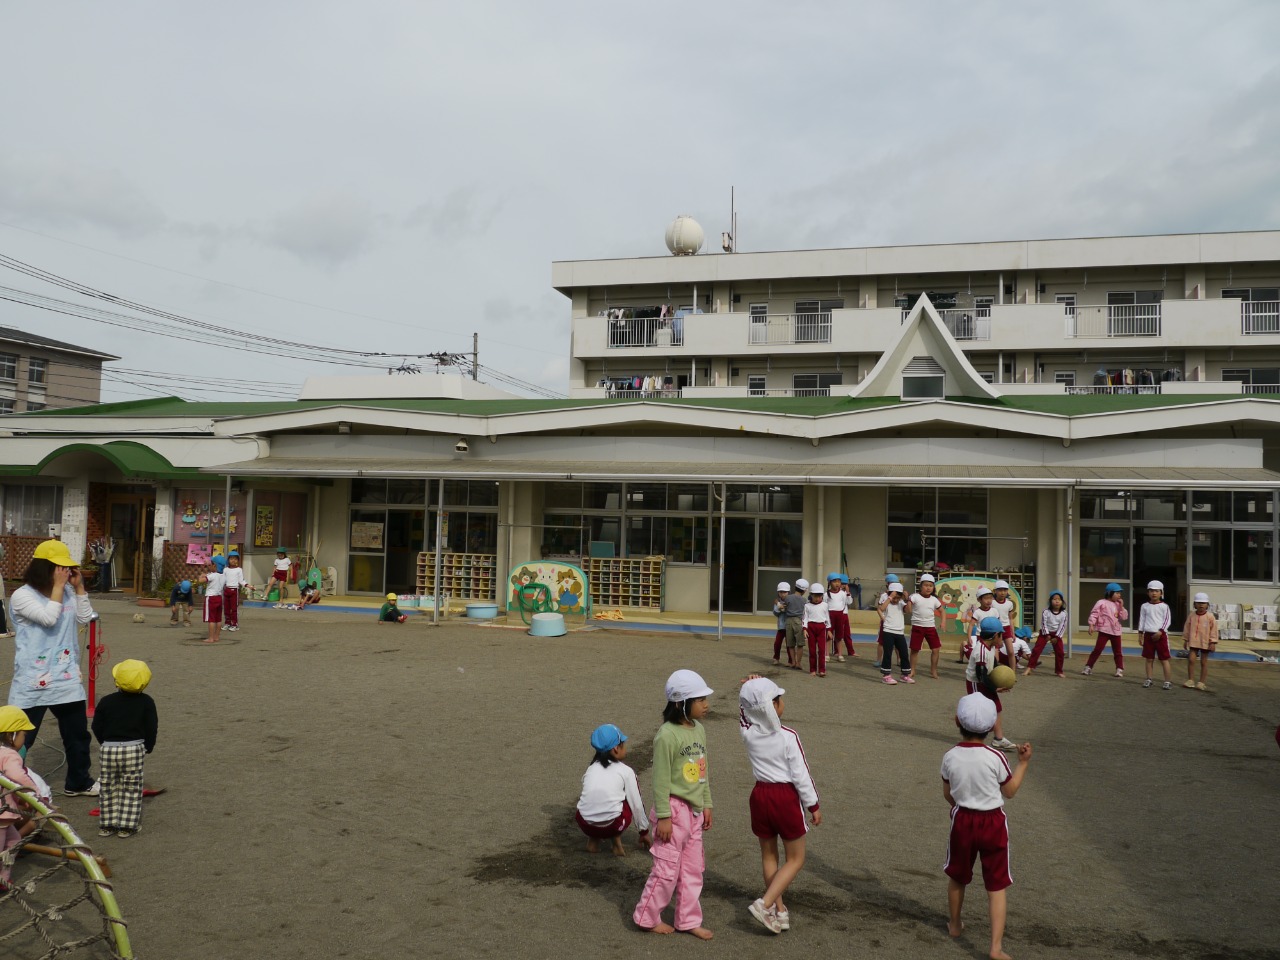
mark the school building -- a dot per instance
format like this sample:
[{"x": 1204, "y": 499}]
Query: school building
[{"x": 869, "y": 410}]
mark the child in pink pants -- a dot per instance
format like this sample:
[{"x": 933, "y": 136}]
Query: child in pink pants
[{"x": 682, "y": 810}]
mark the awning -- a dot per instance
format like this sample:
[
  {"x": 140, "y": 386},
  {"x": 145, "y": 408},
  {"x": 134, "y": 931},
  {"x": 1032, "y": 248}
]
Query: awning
[
  {"x": 836, "y": 474},
  {"x": 131, "y": 458}
]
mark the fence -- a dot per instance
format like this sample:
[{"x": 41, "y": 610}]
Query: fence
[
  {"x": 785, "y": 328},
  {"x": 1115, "y": 320},
  {"x": 1260, "y": 316}
]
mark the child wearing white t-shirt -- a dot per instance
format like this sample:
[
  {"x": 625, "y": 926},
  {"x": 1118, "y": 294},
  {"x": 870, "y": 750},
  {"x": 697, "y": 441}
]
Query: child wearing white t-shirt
[
  {"x": 924, "y": 624},
  {"x": 893, "y": 613}
]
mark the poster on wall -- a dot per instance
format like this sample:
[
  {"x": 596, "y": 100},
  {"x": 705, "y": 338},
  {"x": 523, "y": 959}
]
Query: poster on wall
[
  {"x": 198, "y": 554},
  {"x": 959, "y": 594},
  {"x": 366, "y": 535},
  {"x": 264, "y": 526}
]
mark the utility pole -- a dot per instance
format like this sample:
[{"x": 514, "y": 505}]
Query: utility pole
[{"x": 475, "y": 356}]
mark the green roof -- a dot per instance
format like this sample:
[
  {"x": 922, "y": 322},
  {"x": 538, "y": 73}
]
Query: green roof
[
  {"x": 1057, "y": 404},
  {"x": 129, "y": 457}
]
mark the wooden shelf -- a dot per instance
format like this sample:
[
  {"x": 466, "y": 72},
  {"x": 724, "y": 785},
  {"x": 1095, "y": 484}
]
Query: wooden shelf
[
  {"x": 615, "y": 582},
  {"x": 463, "y": 576}
]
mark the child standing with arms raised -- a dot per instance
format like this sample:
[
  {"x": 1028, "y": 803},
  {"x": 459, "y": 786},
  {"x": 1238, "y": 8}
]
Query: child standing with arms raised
[
  {"x": 1200, "y": 637},
  {"x": 1153, "y": 628},
  {"x": 784, "y": 790},
  {"x": 976, "y": 780},
  {"x": 682, "y": 810},
  {"x": 1053, "y": 628},
  {"x": 1104, "y": 620},
  {"x": 838, "y": 600}
]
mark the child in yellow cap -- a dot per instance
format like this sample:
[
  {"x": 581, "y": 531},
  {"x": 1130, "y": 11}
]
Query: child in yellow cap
[
  {"x": 15, "y": 816},
  {"x": 390, "y": 613},
  {"x": 125, "y": 724}
]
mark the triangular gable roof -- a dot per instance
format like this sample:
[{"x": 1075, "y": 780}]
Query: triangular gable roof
[{"x": 923, "y": 334}]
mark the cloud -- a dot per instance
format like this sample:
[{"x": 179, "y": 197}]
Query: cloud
[
  {"x": 460, "y": 213},
  {"x": 58, "y": 192},
  {"x": 326, "y": 231}
]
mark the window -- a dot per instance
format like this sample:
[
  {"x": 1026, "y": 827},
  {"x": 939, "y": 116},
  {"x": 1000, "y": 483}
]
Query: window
[
  {"x": 29, "y": 509},
  {"x": 1068, "y": 303},
  {"x": 982, "y": 306},
  {"x": 756, "y": 386},
  {"x": 930, "y": 523},
  {"x": 1255, "y": 379},
  {"x": 1233, "y": 535},
  {"x": 1065, "y": 377},
  {"x": 813, "y": 320},
  {"x": 759, "y": 323},
  {"x": 37, "y": 370},
  {"x": 6, "y": 405},
  {"x": 8, "y": 366},
  {"x": 35, "y": 405},
  {"x": 815, "y": 384}
]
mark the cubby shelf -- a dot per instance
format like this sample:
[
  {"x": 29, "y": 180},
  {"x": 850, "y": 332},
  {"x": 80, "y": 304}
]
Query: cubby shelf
[
  {"x": 463, "y": 576},
  {"x": 617, "y": 582}
]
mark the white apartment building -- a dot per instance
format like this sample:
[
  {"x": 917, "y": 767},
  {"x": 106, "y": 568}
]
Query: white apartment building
[{"x": 1096, "y": 314}]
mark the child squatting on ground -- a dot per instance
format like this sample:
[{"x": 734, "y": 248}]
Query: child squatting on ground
[
  {"x": 1200, "y": 638},
  {"x": 125, "y": 724},
  {"x": 975, "y": 781},
  {"x": 180, "y": 601},
  {"x": 390, "y": 613},
  {"x": 784, "y": 790},
  {"x": 682, "y": 809},
  {"x": 15, "y": 816},
  {"x": 1153, "y": 629},
  {"x": 610, "y": 793}
]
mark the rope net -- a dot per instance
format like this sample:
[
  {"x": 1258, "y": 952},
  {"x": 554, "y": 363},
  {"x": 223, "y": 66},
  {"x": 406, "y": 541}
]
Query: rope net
[{"x": 57, "y": 900}]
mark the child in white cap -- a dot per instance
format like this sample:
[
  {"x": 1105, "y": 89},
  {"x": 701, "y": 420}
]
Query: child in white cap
[
  {"x": 985, "y": 607},
  {"x": 125, "y": 724},
  {"x": 610, "y": 797},
  {"x": 780, "y": 611},
  {"x": 976, "y": 780},
  {"x": 924, "y": 624},
  {"x": 784, "y": 790},
  {"x": 1153, "y": 630},
  {"x": 682, "y": 810},
  {"x": 893, "y": 613},
  {"x": 1003, "y": 607},
  {"x": 1200, "y": 638},
  {"x": 817, "y": 628},
  {"x": 793, "y": 613}
]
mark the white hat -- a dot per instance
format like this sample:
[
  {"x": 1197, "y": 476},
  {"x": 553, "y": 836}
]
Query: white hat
[
  {"x": 976, "y": 713},
  {"x": 895, "y": 588},
  {"x": 755, "y": 701},
  {"x": 1200, "y": 598},
  {"x": 983, "y": 592},
  {"x": 784, "y": 587},
  {"x": 802, "y": 584},
  {"x": 686, "y": 685},
  {"x": 1001, "y": 585},
  {"x": 817, "y": 588},
  {"x": 1155, "y": 585},
  {"x": 927, "y": 578}
]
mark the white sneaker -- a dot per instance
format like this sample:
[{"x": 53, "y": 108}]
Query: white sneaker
[
  {"x": 1120, "y": 673},
  {"x": 766, "y": 917},
  {"x": 1087, "y": 671},
  {"x": 783, "y": 917},
  {"x": 93, "y": 791},
  {"x": 1004, "y": 744}
]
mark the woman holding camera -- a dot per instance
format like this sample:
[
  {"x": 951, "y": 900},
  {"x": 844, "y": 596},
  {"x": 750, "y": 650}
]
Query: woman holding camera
[{"x": 47, "y": 612}]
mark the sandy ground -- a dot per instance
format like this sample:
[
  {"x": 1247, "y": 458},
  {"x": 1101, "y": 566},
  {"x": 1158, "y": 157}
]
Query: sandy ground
[{"x": 338, "y": 788}]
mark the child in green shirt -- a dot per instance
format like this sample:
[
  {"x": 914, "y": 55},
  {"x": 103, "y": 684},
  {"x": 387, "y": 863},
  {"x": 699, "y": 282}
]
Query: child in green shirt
[{"x": 390, "y": 613}]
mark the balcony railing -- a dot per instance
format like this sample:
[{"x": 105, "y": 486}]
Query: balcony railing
[
  {"x": 781, "y": 328},
  {"x": 791, "y": 392},
  {"x": 646, "y": 332},
  {"x": 1265, "y": 388},
  {"x": 1260, "y": 316},
  {"x": 1114, "y": 320},
  {"x": 1087, "y": 390},
  {"x": 970, "y": 324}
]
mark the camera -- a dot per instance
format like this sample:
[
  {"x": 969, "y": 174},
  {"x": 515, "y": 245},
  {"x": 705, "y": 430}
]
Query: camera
[{"x": 461, "y": 446}]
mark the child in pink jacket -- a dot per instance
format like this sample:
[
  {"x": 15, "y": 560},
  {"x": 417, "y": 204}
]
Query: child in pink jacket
[
  {"x": 15, "y": 815},
  {"x": 1104, "y": 620}
]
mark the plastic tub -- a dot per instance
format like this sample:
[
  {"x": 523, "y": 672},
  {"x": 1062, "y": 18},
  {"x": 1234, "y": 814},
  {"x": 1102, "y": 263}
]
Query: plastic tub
[
  {"x": 481, "y": 611},
  {"x": 547, "y": 625}
]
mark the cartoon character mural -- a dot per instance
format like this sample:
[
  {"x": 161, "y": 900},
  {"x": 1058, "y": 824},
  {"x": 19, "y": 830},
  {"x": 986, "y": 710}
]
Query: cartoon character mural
[
  {"x": 958, "y": 594},
  {"x": 561, "y": 586}
]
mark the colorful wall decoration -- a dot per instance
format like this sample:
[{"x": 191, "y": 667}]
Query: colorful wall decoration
[
  {"x": 264, "y": 526},
  {"x": 565, "y": 585},
  {"x": 960, "y": 593}
]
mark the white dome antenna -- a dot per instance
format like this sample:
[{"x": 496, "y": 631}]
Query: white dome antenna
[{"x": 684, "y": 236}]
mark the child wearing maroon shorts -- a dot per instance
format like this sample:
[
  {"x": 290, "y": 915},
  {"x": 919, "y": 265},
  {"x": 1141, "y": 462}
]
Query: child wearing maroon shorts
[
  {"x": 817, "y": 629},
  {"x": 1153, "y": 628},
  {"x": 215, "y": 581},
  {"x": 975, "y": 782},
  {"x": 784, "y": 790},
  {"x": 610, "y": 797},
  {"x": 984, "y": 658},
  {"x": 924, "y": 625}
]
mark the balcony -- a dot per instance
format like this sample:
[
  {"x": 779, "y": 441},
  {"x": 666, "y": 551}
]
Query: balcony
[
  {"x": 645, "y": 332},
  {"x": 1259, "y": 317},
  {"x": 973, "y": 323},
  {"x": 789, "y": 328},
  {"x": 1114, "y": 320}
]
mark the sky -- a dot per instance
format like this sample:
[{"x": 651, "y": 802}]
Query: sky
[{"x": 390, "y": 177}]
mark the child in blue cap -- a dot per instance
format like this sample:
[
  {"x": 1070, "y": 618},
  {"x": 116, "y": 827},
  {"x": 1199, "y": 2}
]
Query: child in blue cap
[
  {"x": 610, "y": 794},
  {"x": 180, "y": 600}
]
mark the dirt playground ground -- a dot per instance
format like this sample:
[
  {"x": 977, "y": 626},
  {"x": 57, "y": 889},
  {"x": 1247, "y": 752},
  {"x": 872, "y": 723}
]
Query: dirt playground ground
[{"x": 338, "y": 788}]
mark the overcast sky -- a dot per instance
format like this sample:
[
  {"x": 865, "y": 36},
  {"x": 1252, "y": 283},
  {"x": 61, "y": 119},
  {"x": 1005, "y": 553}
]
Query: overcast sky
[{"x": 392, "y": 176}]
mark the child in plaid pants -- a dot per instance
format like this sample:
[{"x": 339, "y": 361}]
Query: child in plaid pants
[{"x": 125, "y": 724}]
